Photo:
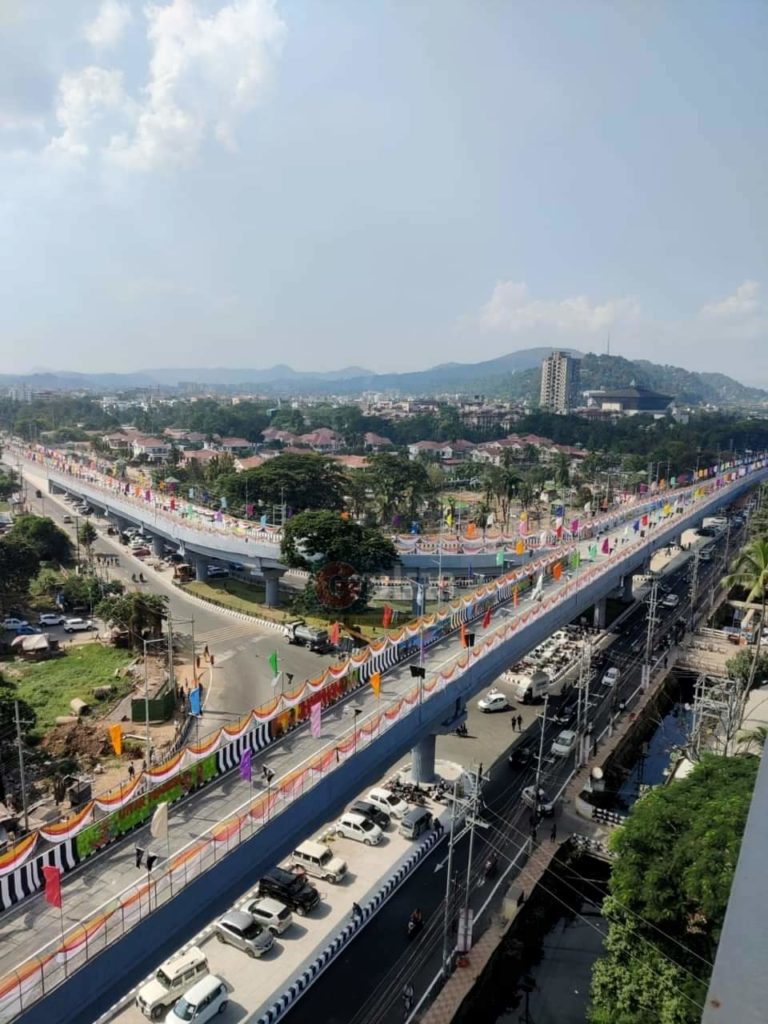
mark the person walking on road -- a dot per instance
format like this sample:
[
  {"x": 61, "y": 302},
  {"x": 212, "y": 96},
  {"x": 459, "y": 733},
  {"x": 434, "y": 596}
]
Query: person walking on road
[
  {"x": 519, "y": 723},
  {"x": 357, "y": 912},
  {"x": 553, "y": 833}
]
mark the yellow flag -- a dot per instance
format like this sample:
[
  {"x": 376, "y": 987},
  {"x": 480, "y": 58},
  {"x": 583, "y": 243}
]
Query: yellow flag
[
  {"x": 520, "y": 547},
  {"x": 376, "y": 683},
  {"x": 116, "y": 738}
]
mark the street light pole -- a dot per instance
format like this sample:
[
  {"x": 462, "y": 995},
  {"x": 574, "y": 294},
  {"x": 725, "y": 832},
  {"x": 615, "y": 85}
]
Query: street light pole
[
  {"x": 448, "y": 881},
  {"x": 22, "y": 775}
]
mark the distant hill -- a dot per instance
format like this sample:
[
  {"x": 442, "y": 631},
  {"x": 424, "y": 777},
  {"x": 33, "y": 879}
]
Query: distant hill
[{"x": 514, "y": 376}]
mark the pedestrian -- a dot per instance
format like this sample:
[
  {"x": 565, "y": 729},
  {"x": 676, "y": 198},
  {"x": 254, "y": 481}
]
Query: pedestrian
[
  {"x": 521, "y": 898},
  {"x": 408, "y": 996},
  {"x": 438, "y": 826},
  {"x": 131, "y": 771},
  {"x": 357, "y": 913},
  {"x": 206, "y": 653},
  {"x": 553, "y": 833},
  {"x": 519, "y": 723}
]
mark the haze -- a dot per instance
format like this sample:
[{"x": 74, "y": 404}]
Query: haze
[{"x": 239, "y": 182}]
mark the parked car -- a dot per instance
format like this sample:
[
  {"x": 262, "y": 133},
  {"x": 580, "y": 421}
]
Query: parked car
[
  {"x": 240, "y": 929},
  {"x": 201, "y": 1003},
  {"x": 142, "y": 551},
  {"x": 670, "y": 601},
  {"x": 271, "y": 914},
  {"x": 171, "y": 979},
  {"x": 292, "y": 890},
  {"x": 360, "y": 828},
  {"x": 78, "y": 625},
  {"x": 545, "y": 805},
  {"x": 14, "y": 624},
  {"x": 386, "y": 801},
  {"x": 50, "y": 619},
  {"x": 494, "y": 700},
  {"x": 27, "y": 630},
  {"x": 66, "y": 519},
  {"x": 369, "y": 810},
  {"x": 216, "y": 571},
  {"x": 564, "y": 743},
  {"x": 317, "y": 859},
  {"x": 611, "y": 677}
]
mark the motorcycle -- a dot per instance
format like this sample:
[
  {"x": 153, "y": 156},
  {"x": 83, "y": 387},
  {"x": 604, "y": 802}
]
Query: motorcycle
[{"x": 415, "y": 924}]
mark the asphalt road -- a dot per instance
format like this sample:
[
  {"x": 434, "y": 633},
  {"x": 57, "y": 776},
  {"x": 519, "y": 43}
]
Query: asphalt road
[
  {"x": 365, "y": 985},
  {"x": 241, "y": 677}
]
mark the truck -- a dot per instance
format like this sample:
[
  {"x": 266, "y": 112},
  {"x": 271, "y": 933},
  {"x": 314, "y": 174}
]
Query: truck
[
  {"x": 529, "y": 688},
  {"x": 302, "y": 635},
  {"x": 714, "y": 522},
  {"x": 183, "y": 573}
]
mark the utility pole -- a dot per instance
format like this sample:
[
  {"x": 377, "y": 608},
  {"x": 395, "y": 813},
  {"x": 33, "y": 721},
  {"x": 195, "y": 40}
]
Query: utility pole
[
  {"x": 448, "y": 883},
  {"x": 472, "y": 822},
  {"x": 694, "y": 586},
  {"x": 22, "y": 775},
  {"x": 651, "y": 620},
  {"x": 171, "y": 676},
  {"x": 537, "y": 782},
  {"x": 582, "y": 707}
]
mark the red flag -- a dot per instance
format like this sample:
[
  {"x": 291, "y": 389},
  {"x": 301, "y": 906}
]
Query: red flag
[
  {"x": 52, "y": 878},
  {"x": 606, "y": 547},
  {"x": 644, "y": 520},
  {"x": 386, "y": 618},
  {"x": 335, "y": 634},
  {"x": 487, "y": 619}
]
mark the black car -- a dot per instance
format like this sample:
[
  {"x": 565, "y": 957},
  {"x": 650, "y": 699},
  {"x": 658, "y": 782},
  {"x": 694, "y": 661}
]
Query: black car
[
  {"x": 293, "y": 891},
  {"x": 370, "y": 811},
  {"x": 521, "y": 757}
]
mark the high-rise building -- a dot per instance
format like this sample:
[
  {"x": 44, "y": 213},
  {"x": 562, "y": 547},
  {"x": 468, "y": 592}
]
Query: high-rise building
[{"x": 559, "y": 378}]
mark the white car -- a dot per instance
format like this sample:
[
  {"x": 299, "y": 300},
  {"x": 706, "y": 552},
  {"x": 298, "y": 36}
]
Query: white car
[
  {"x": 271, "y": 914},
  {"x": 356, "y": 826},
  {"x": 50, "y": 619},
  {"x": 14, "y": 623},
  {"x": 670, "y": 601},
  {"x": 564, "y": 743},
  {"x": 78, "y": 625},
  {"x": 494, "y": 700},
  {"x": 611, "y": 677},
  {"x": 386, "y": 800}
]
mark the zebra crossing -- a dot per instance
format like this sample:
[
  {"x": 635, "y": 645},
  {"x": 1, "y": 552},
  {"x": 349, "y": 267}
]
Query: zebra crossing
[{"x": 222, "y": 635}]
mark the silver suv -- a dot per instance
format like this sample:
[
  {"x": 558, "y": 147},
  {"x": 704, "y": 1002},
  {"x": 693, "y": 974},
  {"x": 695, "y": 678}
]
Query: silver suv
[{"x": 242, "y": 930}]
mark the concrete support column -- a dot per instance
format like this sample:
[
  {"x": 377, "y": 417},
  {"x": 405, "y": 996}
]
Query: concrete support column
[
  {"x": 272, "y": 582},
  {"x": 626, "y": 588},
  {"x": 598, "y": 614},
  {"x": 201, "y": 567},
  {"x": 423, "y": 766},
  {"x": 158, "y": 546}
]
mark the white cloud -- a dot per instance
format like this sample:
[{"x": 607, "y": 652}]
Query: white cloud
[
  {"x": 512, "y": 308},
  {"x": 108, "y": 26},
  {"x": 85, "y": 99},
  {"x": 745, "y": 300},
  {"x": 205, "y": 71}
]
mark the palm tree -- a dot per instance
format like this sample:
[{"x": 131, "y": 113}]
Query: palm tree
[
  {"x": 758, "y": 737},
  {"x": 750, "y": 573}
]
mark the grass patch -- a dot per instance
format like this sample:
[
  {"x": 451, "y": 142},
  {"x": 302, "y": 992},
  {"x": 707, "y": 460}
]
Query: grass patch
[
  {"x": 239, "y": 596},
  {"x": 49, "y": 686}
]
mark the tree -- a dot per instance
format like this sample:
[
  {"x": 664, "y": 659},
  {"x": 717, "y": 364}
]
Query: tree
[
  {"x": 399, "y": 485},
  {"x": 141, "y": 614},
  {"x": 19, "y": 563},
  {"x": 87, "y": 536},
  {"x": 49, "y": 542},
  {"x": 315, "y": 540},
  {"x": 669, "y": 888},
  {"x": 750, "y": 573},
  {"x": 296, "y": 481},
  {"x": 86, "y": 591},
  {"x": 740, "y": 665},
  {"x": 8, "y": 483}
]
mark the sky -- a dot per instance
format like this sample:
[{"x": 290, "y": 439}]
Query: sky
[{"x": 389, "y": 183}]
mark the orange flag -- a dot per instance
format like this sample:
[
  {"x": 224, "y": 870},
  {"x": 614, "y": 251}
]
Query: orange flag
[
  {"x": 471, "y": 531},
  {"x": 116, "y": 738},
  {"x": 376, "y": 683},
  {"x": 520, "y": 547},
  {"x": 463, "y": 635},
  {"x": 557, "y": 570},
  {"x": 515, "y": 596},
  {"x": 334, "y": 634}
]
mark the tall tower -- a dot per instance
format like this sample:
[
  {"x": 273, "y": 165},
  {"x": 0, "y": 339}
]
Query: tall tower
[{"x": 559, "y": 378}]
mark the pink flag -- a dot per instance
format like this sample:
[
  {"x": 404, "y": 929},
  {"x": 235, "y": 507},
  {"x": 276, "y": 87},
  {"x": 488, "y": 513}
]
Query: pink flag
[
  {"x": 314, "y": 719},
  {"x": 606, "y": 547},
  {"x": 574, "y": 526}
]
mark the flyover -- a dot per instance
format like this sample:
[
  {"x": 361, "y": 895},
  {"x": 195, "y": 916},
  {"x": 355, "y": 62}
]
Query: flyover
[{"x": 313, "y": 779}]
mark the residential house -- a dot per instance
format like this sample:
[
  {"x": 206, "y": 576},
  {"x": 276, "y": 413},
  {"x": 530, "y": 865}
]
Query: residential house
[
  {"x": 155, "y": 449},
  {"x": 438, "y": 450},
  {"x": 323, "y": 440},
  {"x": 281, "y": 436},
  {"x": 376, "y": 443},
  {"x": 245, "y": 462},
  {"x": 117, "y": 442}
]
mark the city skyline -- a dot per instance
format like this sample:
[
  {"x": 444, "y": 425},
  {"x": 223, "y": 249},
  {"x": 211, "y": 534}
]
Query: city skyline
[{"x": 244, "y": 183}]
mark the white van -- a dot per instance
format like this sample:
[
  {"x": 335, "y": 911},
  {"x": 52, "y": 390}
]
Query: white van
[
  {"x": 317, "y": 859},
  {"x": 201, "y": 1003},
  {"x": 171, "y": 979}
]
